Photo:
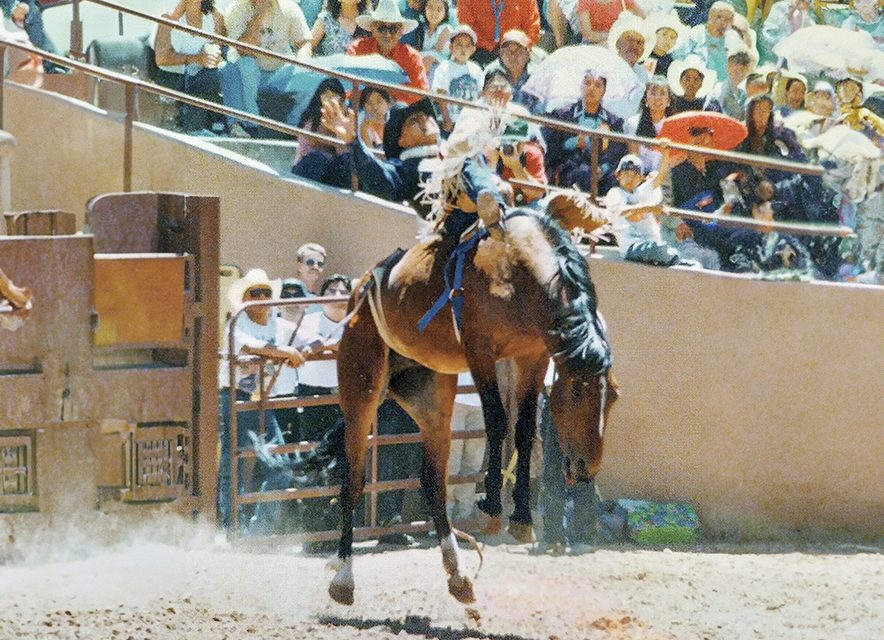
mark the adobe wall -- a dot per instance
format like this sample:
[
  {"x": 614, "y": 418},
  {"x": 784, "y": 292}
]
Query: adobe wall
[{"x": 758, "y": 402}]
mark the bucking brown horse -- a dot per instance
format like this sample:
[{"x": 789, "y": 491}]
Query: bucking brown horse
[{"x": 527, "y": 296}]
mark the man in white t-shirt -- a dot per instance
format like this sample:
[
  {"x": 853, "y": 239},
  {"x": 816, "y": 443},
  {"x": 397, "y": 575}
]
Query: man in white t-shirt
[
  {"x": 277, "y": 25},
  {"x": 458, "y": 77}
]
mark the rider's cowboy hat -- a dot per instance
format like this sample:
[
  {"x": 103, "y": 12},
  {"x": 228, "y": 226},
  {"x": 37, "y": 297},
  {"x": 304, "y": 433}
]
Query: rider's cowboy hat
[
  {"x": 254, "y": 278},
  {"x": 398, "y": 115},
  {"x": 386, "y": 11},
  {"x": 678, "y": 67}
]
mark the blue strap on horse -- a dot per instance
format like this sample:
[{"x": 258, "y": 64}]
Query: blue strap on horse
[{"x": 453, "y": 291}]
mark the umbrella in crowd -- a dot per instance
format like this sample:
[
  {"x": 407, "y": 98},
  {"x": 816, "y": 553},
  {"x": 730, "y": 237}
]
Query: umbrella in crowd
[
  {"x": 304, "y": 82},
  {"x": 832, "y": 51},
  {"x": 557, "y": 81},
  {"x": 727, "y": 132}
]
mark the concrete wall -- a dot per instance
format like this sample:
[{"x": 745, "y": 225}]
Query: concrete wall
[{"x": 758, "y": 402}]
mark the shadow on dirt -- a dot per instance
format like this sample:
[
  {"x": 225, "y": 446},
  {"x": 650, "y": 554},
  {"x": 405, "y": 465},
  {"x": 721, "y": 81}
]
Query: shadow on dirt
[{"x": 417, "y": 625}]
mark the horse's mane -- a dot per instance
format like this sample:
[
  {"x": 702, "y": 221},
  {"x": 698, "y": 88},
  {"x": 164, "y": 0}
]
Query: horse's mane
[{"x": 579, "y": 340}]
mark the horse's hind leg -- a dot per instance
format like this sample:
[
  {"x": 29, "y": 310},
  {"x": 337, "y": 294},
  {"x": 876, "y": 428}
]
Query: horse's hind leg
[
  {"x": 363, "y": 361},
  {"x": 429, "y": 397}
]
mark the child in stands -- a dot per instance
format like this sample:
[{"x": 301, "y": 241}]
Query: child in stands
[{"x": 635, "y": 203}]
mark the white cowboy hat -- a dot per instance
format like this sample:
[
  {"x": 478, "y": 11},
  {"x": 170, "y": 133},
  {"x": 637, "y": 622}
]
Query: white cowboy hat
[
  {"x": 678, "y": 67},
  {"x": 627, "y": 21},
  {"x": 254, "y": 278},
  {"x": 668, "y": 21},
  {"x": 386, "y": 11}
]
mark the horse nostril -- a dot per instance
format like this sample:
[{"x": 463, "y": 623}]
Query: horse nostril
[{"x": 581, "y": 468}]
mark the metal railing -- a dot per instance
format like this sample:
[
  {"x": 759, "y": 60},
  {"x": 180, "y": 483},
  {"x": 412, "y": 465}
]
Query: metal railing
[
  {"x": 133, "y": 85},
  {"x": 373, "y": 485}
]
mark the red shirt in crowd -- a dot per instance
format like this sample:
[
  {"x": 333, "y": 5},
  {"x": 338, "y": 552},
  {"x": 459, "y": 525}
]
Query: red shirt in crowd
[
  {"x": 406, "y": 57},
  {"x": 533, "y": 163},
  {"x": 602, "y": 16},
  {"x": 515, "y": 14}
]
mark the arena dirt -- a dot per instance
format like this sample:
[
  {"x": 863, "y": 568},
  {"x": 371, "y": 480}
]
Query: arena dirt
[{"x": 175, "y": 581}]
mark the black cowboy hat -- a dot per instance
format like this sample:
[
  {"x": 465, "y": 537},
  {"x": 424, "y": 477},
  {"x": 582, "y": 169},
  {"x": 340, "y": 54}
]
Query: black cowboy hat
[{"x": 398, "y": 115}]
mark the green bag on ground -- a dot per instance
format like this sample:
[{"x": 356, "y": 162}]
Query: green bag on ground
[{"x": 660, "y": 522}]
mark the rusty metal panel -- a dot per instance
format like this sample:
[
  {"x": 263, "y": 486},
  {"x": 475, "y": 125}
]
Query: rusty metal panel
[
  {"x": 124, "y": 223},
  {"x": 160, "y": 463},
  {"x": 139, "y": 299},
  {"x": 18, "y": 472}
]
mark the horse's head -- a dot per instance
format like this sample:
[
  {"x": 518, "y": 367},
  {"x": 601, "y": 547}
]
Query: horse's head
[{"x": 580, "y": 403}]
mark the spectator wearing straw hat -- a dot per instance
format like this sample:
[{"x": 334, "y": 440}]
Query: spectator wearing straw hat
[
  {"x": 256, "y": 333},
  {"x": 277, "y": 25},
  {"x": 491, "y": 20},
  {"x": 387, "y": 26},
  {"x": 691, "y": 82}
]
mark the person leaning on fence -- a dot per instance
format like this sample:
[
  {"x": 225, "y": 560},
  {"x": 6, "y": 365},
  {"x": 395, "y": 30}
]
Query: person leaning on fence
[
  {"x": 277, "y": 25},
  {"x": 635, "y": 202},
  {"x": 316, "y": 160},
  {"x": 255, "y": 334},
  {"x": 568, "y": 155}
]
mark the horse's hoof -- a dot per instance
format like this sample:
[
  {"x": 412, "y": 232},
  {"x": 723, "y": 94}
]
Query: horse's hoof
[
  {"x": 492, "y": 527},
  {"x": 341, "y": 593},
  {"x": 461, "y": 588},
  {"x": 523, "y": 533}
]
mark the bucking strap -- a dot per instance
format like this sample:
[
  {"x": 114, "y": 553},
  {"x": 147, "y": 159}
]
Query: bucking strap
[{"x": 453, "y": 292}]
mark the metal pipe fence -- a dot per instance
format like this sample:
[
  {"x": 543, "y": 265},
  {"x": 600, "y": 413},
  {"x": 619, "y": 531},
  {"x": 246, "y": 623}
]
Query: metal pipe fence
[{"x": 373, "y": 486}]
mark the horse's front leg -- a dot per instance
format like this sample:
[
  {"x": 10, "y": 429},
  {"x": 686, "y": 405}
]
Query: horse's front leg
[
  {"x": 363, "y": 363},
  {"x": 528, "y": 382},
  {"x": 485, "y": 377}
]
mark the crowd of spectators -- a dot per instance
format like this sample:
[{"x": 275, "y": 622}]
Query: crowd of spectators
[{"x": 709, "y": 59}]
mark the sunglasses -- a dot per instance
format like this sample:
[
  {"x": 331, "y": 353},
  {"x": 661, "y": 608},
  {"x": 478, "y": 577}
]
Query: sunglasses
[
  {"x": 388, "y": 28},
  {"x": 310, "y": 262},
  {"x": 292, "y": 292},
  {"x": 259, "y": 292},
  {"x": 337, "y": 292}
]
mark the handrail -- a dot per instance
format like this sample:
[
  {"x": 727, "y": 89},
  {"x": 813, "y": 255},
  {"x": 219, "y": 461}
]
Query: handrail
[
  {"x": 794, "y": 228},
  {"x": 742, "y": 158}
]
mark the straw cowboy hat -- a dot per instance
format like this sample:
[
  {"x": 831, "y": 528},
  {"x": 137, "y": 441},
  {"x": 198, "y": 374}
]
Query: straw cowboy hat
[
  {"x": 668, "y": 21},
  {"x": 630, "y": 22},
  {"x": 386, "y": 11},
  {"x": 254, "y": 278},
  {"x": 678, "y": 67}
]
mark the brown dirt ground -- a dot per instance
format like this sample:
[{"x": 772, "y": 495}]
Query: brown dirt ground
[{"x": 179, "y": 581}]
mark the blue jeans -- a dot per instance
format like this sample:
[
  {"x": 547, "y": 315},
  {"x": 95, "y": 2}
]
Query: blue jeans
[
  {"x": 246, "y": 421},
  {"x": 241, "y": 81},
  {"x": 569, "y": 514}
]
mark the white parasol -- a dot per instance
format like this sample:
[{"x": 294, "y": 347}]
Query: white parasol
[
  {"x": 832, "y": 51},
  {"x": 558, "y": 80}
]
